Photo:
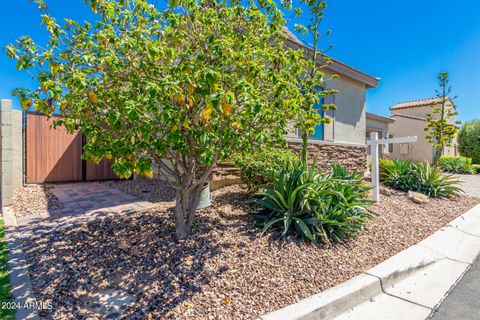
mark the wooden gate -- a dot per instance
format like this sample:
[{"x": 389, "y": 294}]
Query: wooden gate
[{"x": 54, "y": 155}]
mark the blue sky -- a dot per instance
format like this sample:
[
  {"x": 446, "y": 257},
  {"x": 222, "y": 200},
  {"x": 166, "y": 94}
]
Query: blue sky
[{"x": 405, "y": 43}]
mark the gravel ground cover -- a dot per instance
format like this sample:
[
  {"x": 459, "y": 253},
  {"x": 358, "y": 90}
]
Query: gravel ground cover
[
  {"x": 224, "y": 271},
  {"x": 148, "y": 190},
  {"x": 34, "y": 199}
]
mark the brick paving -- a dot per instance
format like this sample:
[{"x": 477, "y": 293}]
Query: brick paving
[{"x": 87, "y": 199}]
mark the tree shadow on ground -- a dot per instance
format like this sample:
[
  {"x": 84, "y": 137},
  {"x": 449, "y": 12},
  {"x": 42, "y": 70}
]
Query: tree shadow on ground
[{"x": 136, "y": 253}]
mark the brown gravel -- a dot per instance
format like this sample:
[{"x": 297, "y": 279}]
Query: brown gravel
[
  {"x": 225, "y": 271},
  {"x": 148, "y": 190},
  {"x": 34, "y": 199}
]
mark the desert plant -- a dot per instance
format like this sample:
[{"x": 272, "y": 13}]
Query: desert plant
[
  {"x": 476, "y": 168},
  {"x": 460, "y": 165},
  {"x": 440, "y": 126},
  {"x": 433, "y": 182},
  {"x": 315, "y": 206},
  {"x": 469, "y": 140},
  {"x": 384, "y": 165},
  {"x": 406, "y": 175},
  {"x": 257, "y": 168},
  {"x": 341, "y": 172}
]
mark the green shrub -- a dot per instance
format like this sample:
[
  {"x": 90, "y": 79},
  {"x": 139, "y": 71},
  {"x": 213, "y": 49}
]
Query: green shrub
[
  {"x": 315, "y": 206},
  {"x": 469, "y": 140},
  {"x": 421, "y": 177},
  {"x": 257, "y": 168},
  {"x": 383, "y": 164},
  {"x": 456, "y": 165},
  {"x": 476, "y": 168}
]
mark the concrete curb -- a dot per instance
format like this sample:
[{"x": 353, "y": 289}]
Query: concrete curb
[
  {"x": 19, "y": 277},
  {"x": 409, "y": 285}
]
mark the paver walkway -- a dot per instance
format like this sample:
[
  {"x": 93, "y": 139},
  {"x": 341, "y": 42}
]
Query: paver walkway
[
  {"x": 85, "y": 199},
  {"x": 82, "y": 202}
]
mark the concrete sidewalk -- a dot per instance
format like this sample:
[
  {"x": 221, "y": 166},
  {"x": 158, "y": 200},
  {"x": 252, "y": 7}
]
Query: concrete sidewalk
[
  {"x": 470, "y": 184},
  {"x": 463, "y": 301}
]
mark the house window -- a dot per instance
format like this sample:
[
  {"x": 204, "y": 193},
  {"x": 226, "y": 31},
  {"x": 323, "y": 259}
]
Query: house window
[
  {"x": 390, "y": 145},
  {"x": 318, "y": 134}
]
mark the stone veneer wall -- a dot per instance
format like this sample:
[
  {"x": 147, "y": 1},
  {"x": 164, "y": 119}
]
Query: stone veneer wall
[{"x": 353, "y": 157}]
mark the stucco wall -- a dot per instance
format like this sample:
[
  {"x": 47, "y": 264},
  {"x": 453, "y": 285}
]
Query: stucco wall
[
  {"x": 418, "y": 151},
  {"x": 382, "y": 128},
  {"x": 17, "y": 148},
  {"x": 422, "y": 150},
  {"x": 349, "y": 117},
  {"x": 377, "y": 126},
  {"x": 349, "y": 123}
]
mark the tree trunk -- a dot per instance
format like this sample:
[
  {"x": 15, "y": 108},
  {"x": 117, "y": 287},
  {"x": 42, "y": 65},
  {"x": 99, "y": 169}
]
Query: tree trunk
[
  {"x": 187, "y": 200},
  {"x": 438, "y": 154},
  {"x": 304, "y": 148},
  {"x": 180, "y": 214}
]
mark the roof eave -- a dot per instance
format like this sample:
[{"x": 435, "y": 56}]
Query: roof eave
[
  {"x": 379, "y": 117},
  {"x": 340, "y": 67}
]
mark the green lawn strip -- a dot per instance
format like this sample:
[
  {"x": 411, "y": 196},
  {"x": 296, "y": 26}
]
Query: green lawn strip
[{"x": 5, "y": 290}]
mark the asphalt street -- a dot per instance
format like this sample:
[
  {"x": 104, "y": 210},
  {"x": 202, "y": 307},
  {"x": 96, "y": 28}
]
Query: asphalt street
[{"x": 463, "y": 303}]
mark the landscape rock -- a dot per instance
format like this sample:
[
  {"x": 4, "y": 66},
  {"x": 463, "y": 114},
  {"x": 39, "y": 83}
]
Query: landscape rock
[
  {"x": 226, "y": 210},
  {"x": 418, "y": 197},
  {"x": 386, "y": 191}
]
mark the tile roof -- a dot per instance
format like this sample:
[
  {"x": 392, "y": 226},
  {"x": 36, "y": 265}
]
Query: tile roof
[{"x": 416, "y": 103}]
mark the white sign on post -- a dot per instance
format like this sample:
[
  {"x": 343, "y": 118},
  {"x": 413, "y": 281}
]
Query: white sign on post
[{"x": 374, "y": 143}]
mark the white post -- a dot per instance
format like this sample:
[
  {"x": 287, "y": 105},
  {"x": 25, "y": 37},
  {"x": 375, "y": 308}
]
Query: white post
[{"x": 375, "y": 166}]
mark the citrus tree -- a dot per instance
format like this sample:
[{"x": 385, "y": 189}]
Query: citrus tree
[{"x": 183, "y": 87}]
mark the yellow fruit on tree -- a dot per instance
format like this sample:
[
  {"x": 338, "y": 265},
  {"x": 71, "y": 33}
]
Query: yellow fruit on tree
[
  {"x": 92, "y": 98},
  {"x": 227, "y": 108}
]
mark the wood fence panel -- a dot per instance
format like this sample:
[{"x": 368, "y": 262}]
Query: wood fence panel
[
  {"x": 101, "y": 171},
  {"x": 52, "y": 155}
]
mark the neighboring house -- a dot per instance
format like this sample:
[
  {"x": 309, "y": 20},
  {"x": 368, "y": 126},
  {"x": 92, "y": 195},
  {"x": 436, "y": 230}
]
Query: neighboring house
[
  {"x": 410, "y": 120},
  {"x": 342, "y": 141},
  {"x": 379, "y": 124}
]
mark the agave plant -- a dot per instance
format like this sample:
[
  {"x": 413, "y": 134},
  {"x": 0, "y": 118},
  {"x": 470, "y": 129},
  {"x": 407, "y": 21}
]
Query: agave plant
[
  {"x": 317, "y": 207},
  {"x": 421, "y": 177},
  {"x": 461, "y": 165},
  {"x": 286, "y": 201},
  {"x": 433, "y": 182}
]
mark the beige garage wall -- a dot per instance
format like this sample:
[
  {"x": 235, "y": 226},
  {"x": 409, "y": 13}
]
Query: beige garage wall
[{"x": 418, "y": 151}]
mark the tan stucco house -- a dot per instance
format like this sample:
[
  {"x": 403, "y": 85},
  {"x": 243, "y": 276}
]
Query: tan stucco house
[
  {"x": 342, "y": 141},
  {"x": 410, "y": 120},
  {"x": 381, "y": 125}
]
